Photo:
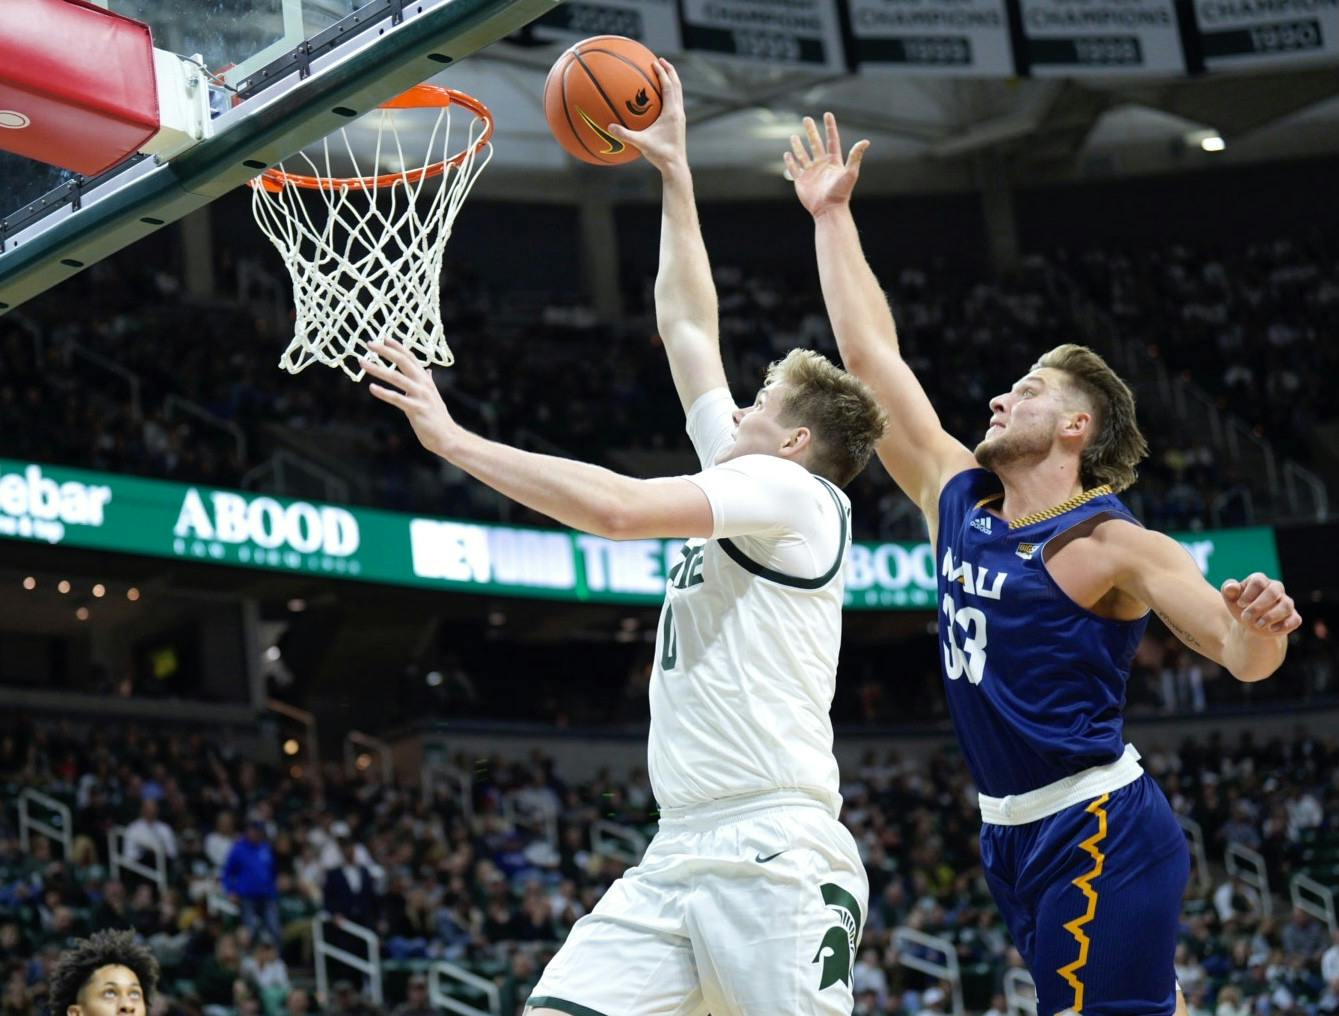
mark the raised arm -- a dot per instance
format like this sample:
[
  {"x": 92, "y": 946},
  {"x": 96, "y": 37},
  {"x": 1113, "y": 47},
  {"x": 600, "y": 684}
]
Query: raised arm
[
  {"x": 577, "y": 494},
  {"x": 916, "y": 450},
  {"x": 686, "y": 313}
]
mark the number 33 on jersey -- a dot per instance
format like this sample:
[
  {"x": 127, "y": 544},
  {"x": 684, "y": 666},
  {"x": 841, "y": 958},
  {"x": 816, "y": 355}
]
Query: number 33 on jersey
[{"x": 965, "y": 626}]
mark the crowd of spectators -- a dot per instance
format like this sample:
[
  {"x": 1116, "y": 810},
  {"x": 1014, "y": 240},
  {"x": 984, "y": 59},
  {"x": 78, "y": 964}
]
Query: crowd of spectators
[
  {"x": 551, "y": 376},
  {"x": 494, "y": 880},
  {"x": 1253, "y": 323}
]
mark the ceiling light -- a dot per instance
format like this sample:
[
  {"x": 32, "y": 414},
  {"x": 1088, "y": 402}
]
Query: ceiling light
[
  {"x": 273, "y": 653},
  {"x": 1213, "y": 143},
  {"x": 132, "y": 594},
  {"x": 29, "y": 583},
  {"x": 82, "y": 613},
  {"x": 63, "y": 585},
  {"x": 99, "y": 590}
]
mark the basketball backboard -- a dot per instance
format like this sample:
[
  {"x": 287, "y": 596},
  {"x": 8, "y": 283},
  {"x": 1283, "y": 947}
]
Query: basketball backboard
[{"x": 292, "y": 71}]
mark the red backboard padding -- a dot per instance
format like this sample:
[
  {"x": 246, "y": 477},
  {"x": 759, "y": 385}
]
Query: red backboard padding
[{"x": 82, "y": 79}]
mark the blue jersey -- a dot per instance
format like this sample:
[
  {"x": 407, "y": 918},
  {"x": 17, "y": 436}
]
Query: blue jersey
[{"x": 1035, "y": 683}]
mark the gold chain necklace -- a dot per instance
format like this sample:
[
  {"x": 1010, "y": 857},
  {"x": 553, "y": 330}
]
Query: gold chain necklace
[{"x": 1083, "y": 497}]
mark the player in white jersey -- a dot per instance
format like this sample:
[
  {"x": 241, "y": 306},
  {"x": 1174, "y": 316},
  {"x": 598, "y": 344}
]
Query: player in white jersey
[{"x": 750, "y": 898}]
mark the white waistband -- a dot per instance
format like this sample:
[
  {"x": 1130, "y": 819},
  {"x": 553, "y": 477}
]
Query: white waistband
[
  {"x": 711, "y": 813},
  {"x": 1020, "y": 809}
]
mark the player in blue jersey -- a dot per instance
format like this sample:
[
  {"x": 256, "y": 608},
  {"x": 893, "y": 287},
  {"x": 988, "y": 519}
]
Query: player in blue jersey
[{"x": 1046, "y": 581}]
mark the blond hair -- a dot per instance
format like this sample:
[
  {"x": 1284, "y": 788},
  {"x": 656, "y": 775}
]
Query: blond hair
[
  {"x": 843, "y": 419},
  {"x": 1117, "y": 446}
]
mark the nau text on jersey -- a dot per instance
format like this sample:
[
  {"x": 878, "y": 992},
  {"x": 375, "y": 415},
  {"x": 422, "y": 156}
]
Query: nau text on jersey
[{"x": 976, "y": 580}]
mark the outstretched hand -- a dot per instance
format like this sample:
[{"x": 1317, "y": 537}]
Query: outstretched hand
[
  {"x": 822, "y": 180},
  {"x": 1261, "y": 605},
  {"x": 665, "y": 142},
  {"x": 414, "y": 393}
]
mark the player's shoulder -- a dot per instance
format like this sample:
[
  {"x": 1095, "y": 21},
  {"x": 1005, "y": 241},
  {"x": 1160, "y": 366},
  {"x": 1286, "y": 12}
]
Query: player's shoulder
[
  {"x": 786, "y": 478},
  {"x": 969, "y": 487},
  {"x": 1128, "y": 544}
]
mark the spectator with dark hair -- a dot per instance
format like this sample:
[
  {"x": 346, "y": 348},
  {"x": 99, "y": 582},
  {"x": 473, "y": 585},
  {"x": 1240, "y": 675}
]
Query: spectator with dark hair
[
  {"x": 249, "y": 878},
  {"x": 1303, "y": 936},
  {"x": 106, "y": 974},
  {"x": 416, "y": 999},
  {"x": 348, "y": 892}
]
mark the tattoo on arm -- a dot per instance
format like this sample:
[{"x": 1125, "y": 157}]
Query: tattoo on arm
[{"x": 1180, "y": 632}]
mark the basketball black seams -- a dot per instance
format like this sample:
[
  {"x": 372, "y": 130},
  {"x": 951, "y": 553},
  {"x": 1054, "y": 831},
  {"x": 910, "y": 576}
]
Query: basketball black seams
[
  {"x": 599, "y": 87},
  {"x": 655, "y": 86},
  {"x": 567, "y": 112}
]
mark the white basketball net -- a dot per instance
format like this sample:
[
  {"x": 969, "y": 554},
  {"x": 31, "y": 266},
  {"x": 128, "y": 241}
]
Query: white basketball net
[{"x": 366, "y": 262}]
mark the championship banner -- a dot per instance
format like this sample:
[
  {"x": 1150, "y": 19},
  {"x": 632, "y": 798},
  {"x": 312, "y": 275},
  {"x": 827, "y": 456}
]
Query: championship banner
[
  {"x": 1239, "y": 34},
  {"x": 1074, "y": 38},
  {"x": 208, "y": 525},
  {"x": 653, "y": 23},
  {"x": 933, "y": 37},
  {"x": 802, "y": 32}
]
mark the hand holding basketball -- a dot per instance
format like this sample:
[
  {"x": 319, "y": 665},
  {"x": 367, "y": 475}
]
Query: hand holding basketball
[
  {"x": 414, "y": 393},
  {"x": 603, "y": 80},
  {"x": 1261, "y": 605},
  {"x": 822, "y": 180},
  {"x": 665, "y": 142}
]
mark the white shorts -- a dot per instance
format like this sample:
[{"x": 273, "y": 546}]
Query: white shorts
[{"x": 750, "y": 907}]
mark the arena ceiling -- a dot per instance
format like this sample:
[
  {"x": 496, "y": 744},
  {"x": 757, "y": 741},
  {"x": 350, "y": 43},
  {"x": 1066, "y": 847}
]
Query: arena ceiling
[{"x": 926, "y": 133}]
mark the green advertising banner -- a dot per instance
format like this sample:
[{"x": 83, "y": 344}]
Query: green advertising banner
[{"x": 130, "y": 515}]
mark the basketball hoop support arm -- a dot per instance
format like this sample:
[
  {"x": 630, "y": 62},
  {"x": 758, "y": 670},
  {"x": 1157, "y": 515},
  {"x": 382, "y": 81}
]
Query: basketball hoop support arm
[{"x": 50, "y": 241}]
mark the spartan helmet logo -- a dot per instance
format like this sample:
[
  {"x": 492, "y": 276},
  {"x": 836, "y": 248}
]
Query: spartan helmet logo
[
  {"x": 837, "y": 950},
  {"x": 639, "y": 104}
]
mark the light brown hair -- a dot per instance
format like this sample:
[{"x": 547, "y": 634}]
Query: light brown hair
[
  {"x": 844, "y": 421},
  {"x": 1116, "y": 446}
]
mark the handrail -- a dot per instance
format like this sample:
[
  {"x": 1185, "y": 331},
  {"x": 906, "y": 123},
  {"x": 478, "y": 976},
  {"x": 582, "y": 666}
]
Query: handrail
[
  {"x": 1020, "y": 992},
  {"x": 460, "y": 779},
  {"x": 544, "y": 818},
  {"x": 369, "y": 966},
  {"x": 64, "y": 834},
  {"x": 1249, "y": 866},
  {"x": 306, "y": 719},
  {"x": 217, "y": 902},
  {"x": 1199, "y": 859},
  {"x": 355, "y": 739},
  {"x": 605, "y": 837},
  {"x": 438, "y": 997},
  {"x": 1321, "y": 906},
  {"x": 73, "y": 346},
  {"x": 173, "y": 404},
  {"x": 946, "y": 971},
  {"x": 117, "y": 859},
  {"x": 335, "y": 487},
  {"x": 1293, "y": 475}
]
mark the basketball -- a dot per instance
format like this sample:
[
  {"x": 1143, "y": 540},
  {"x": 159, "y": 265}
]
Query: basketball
[{"x": 603, "y": 80}]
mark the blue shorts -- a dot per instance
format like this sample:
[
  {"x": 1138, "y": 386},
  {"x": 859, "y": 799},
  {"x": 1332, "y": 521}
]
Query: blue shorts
[{"x": 1092, "y": 897}]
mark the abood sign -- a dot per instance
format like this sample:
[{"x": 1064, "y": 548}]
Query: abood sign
[{"x": 54, "y": 505}]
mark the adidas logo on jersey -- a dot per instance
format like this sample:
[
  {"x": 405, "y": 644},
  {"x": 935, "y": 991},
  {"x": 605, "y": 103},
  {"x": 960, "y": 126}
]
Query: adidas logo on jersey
[{"x": 982, "y": 524}]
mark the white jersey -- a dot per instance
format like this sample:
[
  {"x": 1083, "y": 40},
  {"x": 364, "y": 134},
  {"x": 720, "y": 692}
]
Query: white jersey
[{"x": 746, "y": 652}]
